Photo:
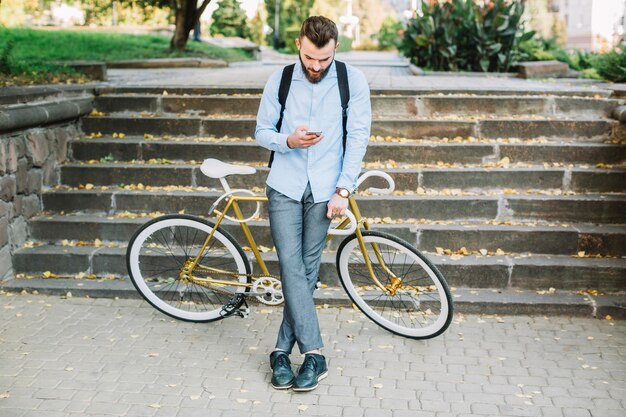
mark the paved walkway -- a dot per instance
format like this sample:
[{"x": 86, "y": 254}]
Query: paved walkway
[
  {"x": 382, "y": 69},
  {"x": 79, "y": 357}
]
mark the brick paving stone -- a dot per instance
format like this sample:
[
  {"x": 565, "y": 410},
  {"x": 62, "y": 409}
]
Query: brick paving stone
[{"x": 523, "y": 366}]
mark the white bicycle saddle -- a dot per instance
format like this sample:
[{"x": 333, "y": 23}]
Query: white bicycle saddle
[{"x": 214, "y": 168}]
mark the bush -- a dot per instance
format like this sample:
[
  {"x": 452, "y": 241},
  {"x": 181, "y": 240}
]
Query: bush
[
  {"x": 612, "y": 65},
  {"x": 390, "y": 34},
  {"x": 229, "y": 19},
  {"x": 462, "y": 35},
  {"x": 609, "y": 66}
]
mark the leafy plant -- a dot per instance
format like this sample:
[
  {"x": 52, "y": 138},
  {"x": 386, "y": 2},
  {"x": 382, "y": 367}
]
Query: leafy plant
[
  {"x": 611, "y": 65},
  {"x": 390, "y": 33},
  {"x": 464, "y": 35},
  {"x": 108, "y": 158},
  {"x": 229, "y": 19}
]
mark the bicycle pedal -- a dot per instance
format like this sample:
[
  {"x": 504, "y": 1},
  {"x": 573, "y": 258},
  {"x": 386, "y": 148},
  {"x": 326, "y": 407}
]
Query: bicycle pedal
[{"x": 243, "y": 312}]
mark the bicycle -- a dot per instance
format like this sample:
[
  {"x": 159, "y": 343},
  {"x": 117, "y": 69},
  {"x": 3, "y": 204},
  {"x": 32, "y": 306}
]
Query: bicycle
[{"x": 192, "y": 269}]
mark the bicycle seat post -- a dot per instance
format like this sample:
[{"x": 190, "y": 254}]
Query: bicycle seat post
[{"x": 225, "y": 184}]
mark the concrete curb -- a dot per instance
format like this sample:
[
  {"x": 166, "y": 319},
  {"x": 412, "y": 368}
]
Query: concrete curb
[
  {"x": 466, "y": 300},
  {"x": 168, "y": 63},
  {"x": 620, "y": 113},
  {"x": 26, "y": 116}
]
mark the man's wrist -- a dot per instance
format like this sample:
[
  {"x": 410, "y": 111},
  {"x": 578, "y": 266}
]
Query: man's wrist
[
  {"x": 288, "y": 145},
  {"x": 342, "y": 192}
]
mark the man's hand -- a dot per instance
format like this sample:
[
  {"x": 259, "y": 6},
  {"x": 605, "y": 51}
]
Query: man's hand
[
  {"x": 337, "y": 206},
  {"x": 299, "y": 138}
]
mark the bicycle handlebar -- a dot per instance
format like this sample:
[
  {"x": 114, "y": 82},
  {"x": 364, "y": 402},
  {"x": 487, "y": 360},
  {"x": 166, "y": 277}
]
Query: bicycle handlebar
[
  {"x": 381, "y": 174},
  {"x": 348, "y": 231}
]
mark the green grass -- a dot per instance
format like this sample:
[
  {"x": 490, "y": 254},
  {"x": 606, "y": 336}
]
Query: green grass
[{"x": 28, "y": 56}]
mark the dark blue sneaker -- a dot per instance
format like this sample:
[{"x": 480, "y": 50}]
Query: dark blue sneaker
[
  {"x": 282, "y": 375},
  {"x": 312, "y": 371}
]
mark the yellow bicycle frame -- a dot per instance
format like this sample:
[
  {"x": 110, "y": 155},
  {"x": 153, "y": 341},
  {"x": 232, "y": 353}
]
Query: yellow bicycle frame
[{"x": 233, "y": 203}]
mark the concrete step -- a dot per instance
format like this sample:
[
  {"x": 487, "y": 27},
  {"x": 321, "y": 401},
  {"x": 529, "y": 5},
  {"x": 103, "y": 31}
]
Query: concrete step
[
  {"x": 473, "y": 236},
  {"x": 402, "y": 91},
  {"x": 592, "y": 208},
  {"x": 465, "y": 178},
  {"x": 466, "y": 300},
  {"x": 415, "y": 152},
  {"x": 606, "y": 275},
  {"x": 569, "y": 129},
  {"x": 405, "y": 105}
]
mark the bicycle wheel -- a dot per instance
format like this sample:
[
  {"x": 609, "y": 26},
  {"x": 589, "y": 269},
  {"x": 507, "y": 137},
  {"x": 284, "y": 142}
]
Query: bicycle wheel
[
  {"x": 159, "y": 249},
  {"x": 420, "y": 304}
]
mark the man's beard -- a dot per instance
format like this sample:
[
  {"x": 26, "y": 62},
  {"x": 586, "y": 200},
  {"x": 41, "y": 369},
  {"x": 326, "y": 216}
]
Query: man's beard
[{"x": 308, "y": 75}]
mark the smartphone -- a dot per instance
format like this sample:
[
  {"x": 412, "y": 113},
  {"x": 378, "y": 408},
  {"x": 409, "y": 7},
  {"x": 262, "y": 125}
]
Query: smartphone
[{"x": 314, "y": 133}]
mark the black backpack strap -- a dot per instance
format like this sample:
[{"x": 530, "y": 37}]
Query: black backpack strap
[
  {"x": 344, "y": 93},
  {"x": 283, "y": 92}
]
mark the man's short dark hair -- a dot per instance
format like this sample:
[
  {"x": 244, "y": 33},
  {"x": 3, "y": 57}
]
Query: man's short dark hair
[{"x": 319, "y": 30}]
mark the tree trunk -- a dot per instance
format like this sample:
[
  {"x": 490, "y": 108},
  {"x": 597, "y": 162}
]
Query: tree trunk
[{"x": 187, "y": 14}]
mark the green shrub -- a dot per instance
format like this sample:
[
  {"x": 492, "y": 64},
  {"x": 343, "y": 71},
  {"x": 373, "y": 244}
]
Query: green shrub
[
  {"x": 390, "y": 33},
  {"x": 229, "y": 19},
  {"x": 462, "y": 35},
  {"x": 609, "y": 66},
  {"x": 612, "y": 65}
]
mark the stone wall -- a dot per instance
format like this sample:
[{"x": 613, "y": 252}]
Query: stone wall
[
  {"x": 29, "y": 161},
  {"x": 36, "y": 124}
]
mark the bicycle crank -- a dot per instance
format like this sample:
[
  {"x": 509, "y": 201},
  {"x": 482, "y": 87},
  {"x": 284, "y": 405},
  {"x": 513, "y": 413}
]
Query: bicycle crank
[{"x": 268, "y": 290}]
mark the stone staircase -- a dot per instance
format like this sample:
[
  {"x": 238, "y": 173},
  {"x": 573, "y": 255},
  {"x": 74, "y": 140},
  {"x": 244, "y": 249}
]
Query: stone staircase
[{"x": 521, "y": 213}]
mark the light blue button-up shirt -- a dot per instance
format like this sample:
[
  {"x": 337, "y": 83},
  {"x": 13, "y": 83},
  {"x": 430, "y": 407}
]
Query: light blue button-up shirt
[{"x": 317, "y": 106}]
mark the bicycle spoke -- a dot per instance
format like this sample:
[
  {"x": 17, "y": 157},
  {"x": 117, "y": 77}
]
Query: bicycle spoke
[
  {"x": 411, "y": 303},
  {"x": 164, "y": 246}
]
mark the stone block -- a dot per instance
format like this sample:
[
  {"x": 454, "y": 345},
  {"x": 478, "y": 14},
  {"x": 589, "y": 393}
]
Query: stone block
[
  {"x": 619, "y": 113},
  {"x": 418, "y": 129},
  {"x": 37, "y": 149},
  {"x": 211, "y": 105},
  {"x": 18, "y": 232},
  {"x": 113, "y": 103},
  {"x": 6, "y": 263},
  {"x": 50, "y": 258},
  {"x": 168, "y": 63},
  {"x": 50, "y": 173},
  {"x": 78, "y": 201},
  {"x": 96, "y": 70},
  {"x": 598, "y": 181},
  {"x": 3, "y": 157},
  {"x": 569, "y": 274},
  {"x": 17, "y": 205},
  {"x": 230, "y": 127},
  {"x": 31, "y": 205},
  {"x": 464, "y": 105},
  {"x": 33, "y": 181},
  {"x": 127, "y": 150},
  {"x": 60, "y": 145},
  {"x": 6, "y": 209},
  {"x": 21, "y": 176},
  {"x": 156, "y": 175},
  {"x": 582, "y": 210},
  {"x": 139, "y": 126},
  {"x": 491, "y": 178},
  {"x": 8, "y": 188},
  {"x": 4, "y": 230},
  {"x": 536, "y": 128},
  {"x": 11, "y": 157},
  {"x": 542, "y": 69}
]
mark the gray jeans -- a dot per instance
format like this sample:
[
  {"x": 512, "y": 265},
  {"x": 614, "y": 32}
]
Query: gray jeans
[{"x": 299, "y": 231}]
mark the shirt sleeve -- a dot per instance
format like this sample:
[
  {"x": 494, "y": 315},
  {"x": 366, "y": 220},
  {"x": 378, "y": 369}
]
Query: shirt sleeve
[
  {"x": 358, "y": 126},
  {"x": 269, "y": 111}
]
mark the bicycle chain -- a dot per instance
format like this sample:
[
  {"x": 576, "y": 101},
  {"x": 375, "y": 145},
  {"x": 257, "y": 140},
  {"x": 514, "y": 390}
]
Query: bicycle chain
[{"x": 249, "y": 296}]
